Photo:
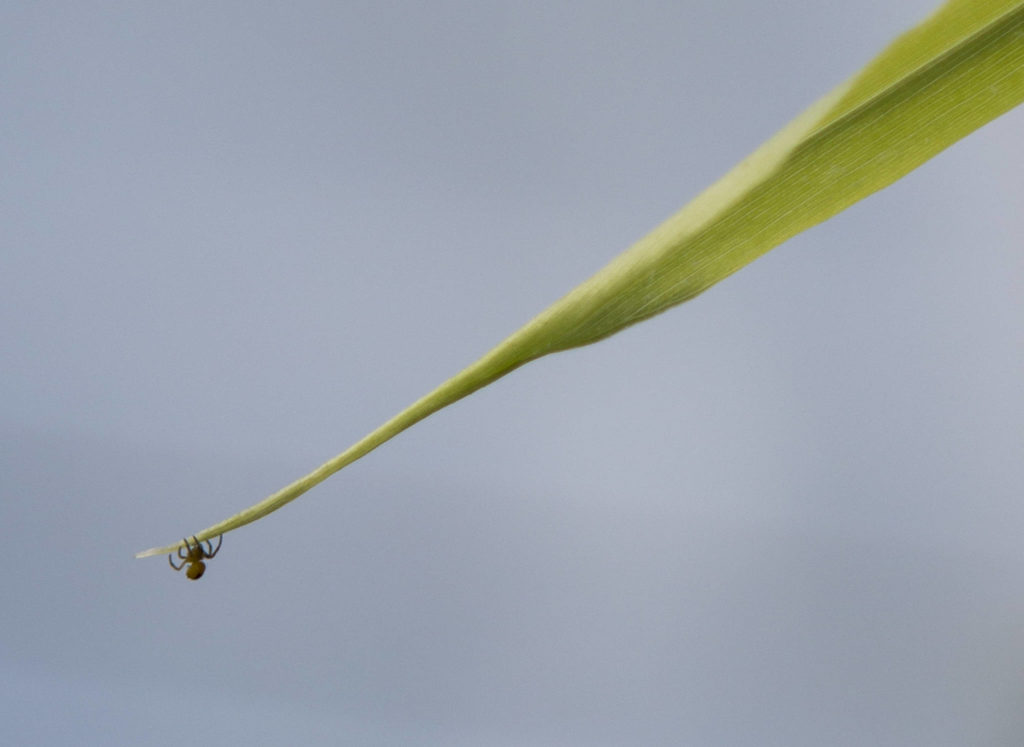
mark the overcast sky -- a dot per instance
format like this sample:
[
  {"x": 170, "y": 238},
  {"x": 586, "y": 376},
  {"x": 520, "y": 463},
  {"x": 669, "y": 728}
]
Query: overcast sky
[{"x": 238, "y": 236}]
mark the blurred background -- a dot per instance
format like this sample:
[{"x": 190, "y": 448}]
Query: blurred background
[{"x": 238, "y": 236}]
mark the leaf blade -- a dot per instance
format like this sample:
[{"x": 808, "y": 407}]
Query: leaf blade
[{"x": 959, "y": 69}]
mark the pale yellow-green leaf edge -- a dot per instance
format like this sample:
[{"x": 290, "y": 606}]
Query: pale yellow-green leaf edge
[{"x": 959, "y": 69}]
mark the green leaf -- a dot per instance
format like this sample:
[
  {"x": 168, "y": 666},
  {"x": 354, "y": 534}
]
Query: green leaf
[{"x": 961, "y": 68}]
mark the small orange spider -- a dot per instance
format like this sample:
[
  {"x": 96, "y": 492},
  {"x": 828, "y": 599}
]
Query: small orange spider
[{"x": 197, "y": 551}]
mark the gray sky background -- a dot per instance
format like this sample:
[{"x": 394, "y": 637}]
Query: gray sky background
[{"x": 238, "y": 236}]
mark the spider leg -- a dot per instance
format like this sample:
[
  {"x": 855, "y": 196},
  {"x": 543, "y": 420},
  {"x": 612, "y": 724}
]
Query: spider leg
[
  {"x": 220, "y": 540},
  {"x": 171, "y": 561},
  {"x": 182, "y": 555}
]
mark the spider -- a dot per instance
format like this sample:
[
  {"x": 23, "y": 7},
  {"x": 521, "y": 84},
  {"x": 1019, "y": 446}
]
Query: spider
[{"x": 197, "y": 551}]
